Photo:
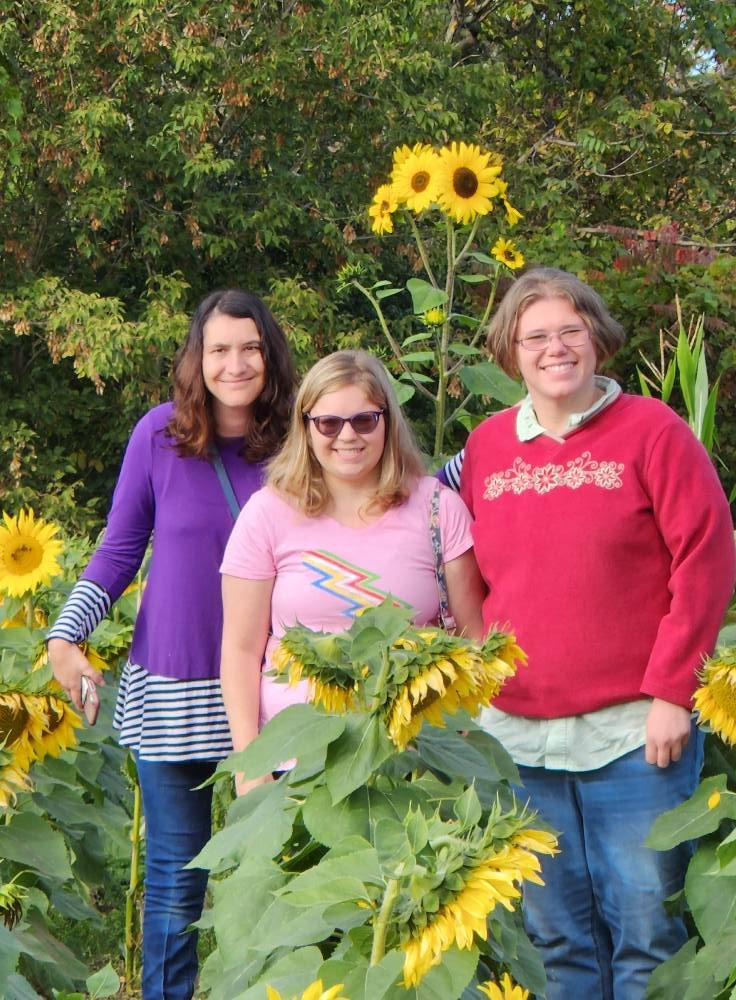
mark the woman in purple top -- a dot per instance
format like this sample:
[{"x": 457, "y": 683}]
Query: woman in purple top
[{"x": 233, "y": 385}]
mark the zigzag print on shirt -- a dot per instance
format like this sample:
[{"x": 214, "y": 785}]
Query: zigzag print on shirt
[{"x": 348, "y": 582}]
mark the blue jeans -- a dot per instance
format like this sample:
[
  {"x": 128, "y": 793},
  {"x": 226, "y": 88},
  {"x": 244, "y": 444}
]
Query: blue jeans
[
  {"x": 599, "y": 922},
  {"x": 178, "y": 825}
]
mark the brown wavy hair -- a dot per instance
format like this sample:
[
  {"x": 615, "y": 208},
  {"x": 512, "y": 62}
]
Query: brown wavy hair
[
  {"x": 192, "y": 424},
  {"x": 606, "y": 333},
  {"x": 297, "y": 474}
]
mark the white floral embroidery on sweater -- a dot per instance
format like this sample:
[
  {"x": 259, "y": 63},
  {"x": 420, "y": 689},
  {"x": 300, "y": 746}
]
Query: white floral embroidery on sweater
[{"x": 582, "y": 471}]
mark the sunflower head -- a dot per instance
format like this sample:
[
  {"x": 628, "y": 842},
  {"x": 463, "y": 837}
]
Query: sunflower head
[
  {"x": 468, "y": 181},
  {"x": 715, "y": 699},
  {"x": 28, "y": 552},
  {"x": 315, "y": 991},
  {"x": 434, "y": 317},
  {"x": 505, "y": 989},
  {"x": 381, "y": 209},
  {"x": 12, "y": 896},
  {"x": 415, "y": 179},
  {"x": 59, "y": 731},
  {"x": 505, "y": 252}
]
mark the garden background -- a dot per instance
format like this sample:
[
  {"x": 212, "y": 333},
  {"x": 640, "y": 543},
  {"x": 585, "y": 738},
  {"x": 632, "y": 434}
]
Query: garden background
[{"x": 149, "y": 154}]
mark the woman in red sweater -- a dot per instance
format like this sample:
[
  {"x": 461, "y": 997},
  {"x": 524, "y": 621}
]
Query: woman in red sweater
[{"x": 604, "y": 537}]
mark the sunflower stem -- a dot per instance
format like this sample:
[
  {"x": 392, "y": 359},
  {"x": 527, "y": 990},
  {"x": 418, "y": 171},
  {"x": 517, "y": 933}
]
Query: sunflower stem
[
  {"x": 442, "y": 354},
  {"x": 482, "y": 322},
  {"x": 132, "y": 893},
  {"x": 422, "y": 251},
  {"x": 469, "y": 241},
  {"x": 422, "y": 389},
  {"x": 381, "y": 925},
  {"x": 381, "y": 682},
  {"x": 28, "y": 608}
]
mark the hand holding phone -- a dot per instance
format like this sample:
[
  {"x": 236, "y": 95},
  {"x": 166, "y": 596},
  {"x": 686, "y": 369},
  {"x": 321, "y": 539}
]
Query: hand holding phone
[{"x": 90, "y": 700}]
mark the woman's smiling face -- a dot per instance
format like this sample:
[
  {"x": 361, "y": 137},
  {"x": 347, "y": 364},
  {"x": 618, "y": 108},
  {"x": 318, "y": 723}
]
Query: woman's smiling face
[
  {"x": 558, "y": 375},
  {"x": 349, "y": 456}
]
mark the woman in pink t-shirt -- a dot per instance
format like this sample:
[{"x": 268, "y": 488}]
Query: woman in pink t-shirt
[{"x": 342, "y": 523}]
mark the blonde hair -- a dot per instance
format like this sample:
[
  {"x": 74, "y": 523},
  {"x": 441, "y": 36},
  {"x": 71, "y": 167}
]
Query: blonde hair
[
  {"x": 297, "y": 474},
  {"x": 551, "y": 283}
]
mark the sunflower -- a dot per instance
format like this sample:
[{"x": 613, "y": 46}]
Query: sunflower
[
  {"x": 462, "y": 676},
  {"x": 512, "y": 214},
  {"x": 434, "y": 317},
  {"x": 505, "y": 990},
  {"x": 12, "y": 896},
  {"x": 28, "y": 553},
  {"x": 494, "y": 879},
  {"x": 21, "y": 727},
  {"x": 12, "y": 780},
  {"x": 715, "y": 699},
  {"x": 415, "y": 179},
  {"x": 506, "y": 253},
  {"x": 383, "y": 205},
  {"x": 58, "y": 734},
  {"x": 315, "y": 991},
  {"x": 402, "y": 153},
  {"x": 468, "y": 181}
]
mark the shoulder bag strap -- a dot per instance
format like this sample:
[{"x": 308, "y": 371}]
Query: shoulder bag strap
[
  {"x": 446, "y": 620},
  {"x": 227, "y": 486}
]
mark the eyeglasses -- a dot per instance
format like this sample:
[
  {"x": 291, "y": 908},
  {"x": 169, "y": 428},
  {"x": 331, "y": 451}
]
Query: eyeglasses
[
  {"x": 362, "y": 423},
  {"x": 574, "y": 337}
]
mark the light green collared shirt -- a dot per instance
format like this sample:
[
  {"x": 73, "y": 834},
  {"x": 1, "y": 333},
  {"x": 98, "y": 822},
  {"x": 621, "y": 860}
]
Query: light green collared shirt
[{"x": 575, "y": 742}]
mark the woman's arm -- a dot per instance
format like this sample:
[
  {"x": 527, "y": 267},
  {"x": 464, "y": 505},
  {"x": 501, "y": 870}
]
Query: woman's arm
[
  {"x": 246, "y": 620},
  {"x": 466, "y": 592}
]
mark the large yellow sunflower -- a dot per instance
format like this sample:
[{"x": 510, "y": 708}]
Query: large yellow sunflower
[
  {"x": 506, "y": 253},
  {"x": 315, "y": 991},
  {"x": 507, "y": 989},
  {"x": 21, "y": 727},
  {"x": 415, "y": 179},
  {"x": 495, "y": 879},
  {"x": 381, "y": 208},
  {"x": 58, "y": 734},
  {"x": 462, "y": 677},
  {"x": 28, "y": 553},
  {"x": 468, "y": 181},
  {"x": 715, "y": 699}
]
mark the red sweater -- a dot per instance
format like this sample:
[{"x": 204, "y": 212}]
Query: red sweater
[{"x": 610, "y": 554}]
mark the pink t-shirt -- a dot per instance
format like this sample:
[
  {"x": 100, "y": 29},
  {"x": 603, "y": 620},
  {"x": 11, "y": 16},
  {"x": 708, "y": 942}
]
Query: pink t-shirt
[{"x": 325, "y": 572}]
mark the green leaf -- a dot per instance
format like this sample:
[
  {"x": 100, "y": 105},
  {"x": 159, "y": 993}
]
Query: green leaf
[
  {"x": 402, "y": 391},
  {"x": 395, "y": 855},
  {"x": 353, "y": 758},
  {"x": 417, "y": 831},
  {"x": 290, "y": 975},
  {"x": 468, "y": 809},
  {"x": 424, "y": 296},
  {"x": 460, "y": 319},
  {"x": 463, "y": 350},
  {"x": 17, "y": 987},
  {"x": 328, "y": 824},
  {"x": 487, "y": 379},
  {"x": 103, "y": 983},
  {"x": 416, "y": 338},
  {"x": 668, "y": 381},
  {"x": 361, "y": 981},
  {"x": 667, "y": 979},
  {"x": 693, "y": 818},
  {"x": 418, "y": 358},
  {"x": 297, "y": 730},
  {"x": 482, "y": 258},
  {"x": 386, "y": 293},
  {"x": 711, "y": 896},
  {"x": 474, "y": 279},
  {"x": 32, "y": 842},
  {"x": 326, "y": 892},
  {"x": 259, "y": 824}
]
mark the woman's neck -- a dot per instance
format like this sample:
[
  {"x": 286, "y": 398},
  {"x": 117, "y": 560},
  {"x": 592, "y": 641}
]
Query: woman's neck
[
  {"x": 350, "y": 503},
  {"x": 554, "y": 414},
  {"x": 230, "y": 421}
]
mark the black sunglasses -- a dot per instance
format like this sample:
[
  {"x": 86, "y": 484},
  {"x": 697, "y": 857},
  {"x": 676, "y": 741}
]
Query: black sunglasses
[{"x": 362, "y": 423}]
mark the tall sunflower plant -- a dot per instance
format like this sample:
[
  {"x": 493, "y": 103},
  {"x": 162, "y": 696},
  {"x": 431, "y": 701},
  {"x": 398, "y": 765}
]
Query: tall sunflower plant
[
  {"x": 63, "y": 816},
  {"x": 387, "y": 859},
  {"x": 445, "y": 197}
]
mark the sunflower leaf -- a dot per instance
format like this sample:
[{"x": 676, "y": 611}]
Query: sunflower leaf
[{"x": 425, "y": 296}]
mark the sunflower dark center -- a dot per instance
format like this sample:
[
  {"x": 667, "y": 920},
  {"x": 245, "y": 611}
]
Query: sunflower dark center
[
  {"x": 508, "y": 254},
  {"x": 55, "y": 716},
  {"x": 465, "y": 182},
  {"x": 12, "y": 723},
  {"x": 419, "y": 181}
]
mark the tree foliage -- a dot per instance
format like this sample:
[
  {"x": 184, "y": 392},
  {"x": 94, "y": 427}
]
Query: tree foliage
[{"x": 149, "y": 153}]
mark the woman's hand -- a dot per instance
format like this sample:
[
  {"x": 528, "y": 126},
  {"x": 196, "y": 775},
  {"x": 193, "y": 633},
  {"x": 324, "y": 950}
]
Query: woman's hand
[
  {"x": 69, "y": 665},
  {"x": 667, "y": 732},
  {"x": 242, "y": 787}
]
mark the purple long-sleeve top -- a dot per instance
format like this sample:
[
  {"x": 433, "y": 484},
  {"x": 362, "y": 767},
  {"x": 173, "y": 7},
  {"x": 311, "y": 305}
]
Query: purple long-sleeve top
[{"x": 179, "y": 626}]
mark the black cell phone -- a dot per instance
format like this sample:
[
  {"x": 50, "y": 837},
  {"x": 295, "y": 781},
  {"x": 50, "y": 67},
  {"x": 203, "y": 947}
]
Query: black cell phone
[{"x": 90, "y": 700}]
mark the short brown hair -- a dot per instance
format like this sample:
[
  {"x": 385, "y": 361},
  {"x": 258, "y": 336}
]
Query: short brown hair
[
  {"x": 550, "y": 283},
  {"x": 295, "y": 471}
]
